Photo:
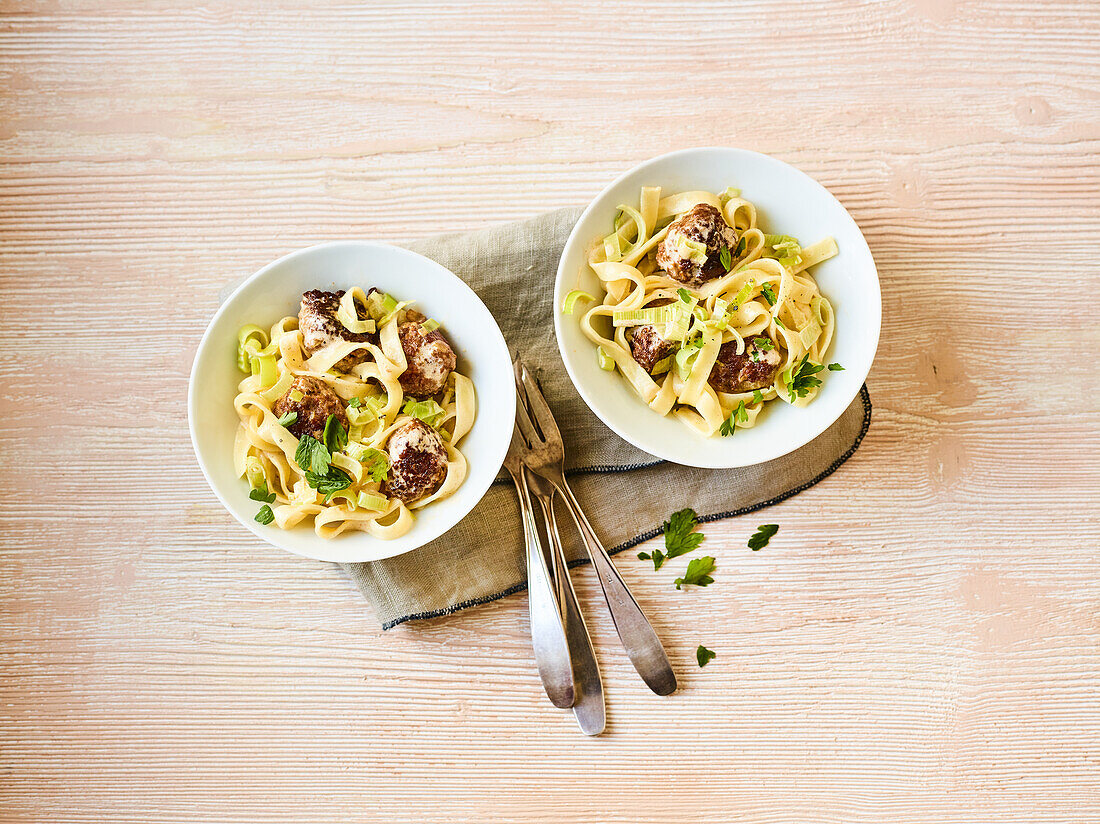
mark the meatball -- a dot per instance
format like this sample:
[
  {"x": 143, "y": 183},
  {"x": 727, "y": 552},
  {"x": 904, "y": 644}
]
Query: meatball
[
  {"x": 753, "y": 369},
  {"x": 430, "y": 359},
  {"x": 649, "y": 348},
  {"x": 318, "y": 401},
  {"x": 418, "y": 461},
  {"x": 701, "y": 224},
  {"x": 317, "y": 320}
]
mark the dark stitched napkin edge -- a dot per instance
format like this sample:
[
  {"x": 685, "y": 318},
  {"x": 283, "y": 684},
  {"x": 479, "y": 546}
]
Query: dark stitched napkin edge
[{"x": 864, "y": 395}]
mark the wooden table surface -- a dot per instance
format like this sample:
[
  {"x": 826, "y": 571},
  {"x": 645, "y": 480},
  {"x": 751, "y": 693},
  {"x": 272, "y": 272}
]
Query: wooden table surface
[{"x": 919, "y": 642}]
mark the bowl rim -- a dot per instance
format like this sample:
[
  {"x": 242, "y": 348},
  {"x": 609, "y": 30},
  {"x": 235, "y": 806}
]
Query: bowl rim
[
  {"x": 589, "y": 397},
  {"x": 476, "y": 492}
]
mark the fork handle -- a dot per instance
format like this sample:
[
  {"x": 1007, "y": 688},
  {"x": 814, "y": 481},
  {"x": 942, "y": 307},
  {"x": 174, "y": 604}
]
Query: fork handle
[
  {"x": 642, "y": 645},
  {"x": 589, "y": 707},
  {"x": 547, "y": 628}
]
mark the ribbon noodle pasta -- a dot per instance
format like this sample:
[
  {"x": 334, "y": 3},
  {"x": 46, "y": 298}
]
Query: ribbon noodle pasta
[
  {"x": 706, "y": 316},
  {"x": 351, "y": 415}
]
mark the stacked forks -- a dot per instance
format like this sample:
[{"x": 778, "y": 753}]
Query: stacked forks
[{"x": 563, "y": 650}]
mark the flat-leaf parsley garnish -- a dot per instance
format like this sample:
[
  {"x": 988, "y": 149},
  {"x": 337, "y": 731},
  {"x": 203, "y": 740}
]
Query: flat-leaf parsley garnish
[
  {"x": 835, "y": 367},
  {"x": 336, "y": 437},
  {"x": 769, "y": 295},
  {"x": 738, "y": 415},
  {"x": 261, "y": 494},
  {"x": 312, "y": 456},
  {"x": 725, "y": 257},
  {"x": 800, "y": 379},
  {"x": 328, "y": 484},
  {"x": 376, "y": 463},
  {"x": 680, "y": 537},
  {"x": 265, "y": 515},
  {"x": 703, "y": 655},
  {"x": 763, "y": 534},
  {"x": 728, "y": 426},
  {"x": 698, "y": 572},
  {"x": 288, "y": 419}
]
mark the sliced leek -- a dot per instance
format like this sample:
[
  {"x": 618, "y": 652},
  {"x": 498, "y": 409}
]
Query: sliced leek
[
  {"x": 570, "y": 302},
  {"x": 607, "y": 363}
]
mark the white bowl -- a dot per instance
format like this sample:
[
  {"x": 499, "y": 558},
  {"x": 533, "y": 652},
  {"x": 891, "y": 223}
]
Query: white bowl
[
  {"x": 274, "y": 292},
  {"x": 789, "y": 202}
]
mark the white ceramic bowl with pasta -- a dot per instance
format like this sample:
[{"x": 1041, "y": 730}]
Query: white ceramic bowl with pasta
[
  {"x": 274, "y": 292},
  {"x": 787, "y": 202}
]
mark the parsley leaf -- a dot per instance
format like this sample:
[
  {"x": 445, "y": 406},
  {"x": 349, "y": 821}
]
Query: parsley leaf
[
  {"x": 763, "y": 344},
  {"x": 779, "y": 323},
  {"x": 261, "y": 494},
  {"x": 835, "y": 367},
  {"x": 684, "y": 295},
  {"x": 265, "y": 515},
  {"x": 335, "y": 435},
  {"x": 703, "y": 655},
  {"x": 679, "y": 536},
  {"x": 769, "y": 295},
  {"x": 698, "y": 572},
  {"x": 355, "y": 403},
  {"x": 376, "y": 463},
  {"x": 729, "y": 425},
  {"x": 757, "y": 396},
  {"x": 742, "y": 245},
  {"x": 312, "y": 456},
  {"x": 288, "y": 419},
  {"x": 725, "y": 257},
  {"x": 329, "y": 483},
  {"x": 801, "y": 378},
  {"x": 738, "y": 415},
  {"x": 763, "y": 534}
]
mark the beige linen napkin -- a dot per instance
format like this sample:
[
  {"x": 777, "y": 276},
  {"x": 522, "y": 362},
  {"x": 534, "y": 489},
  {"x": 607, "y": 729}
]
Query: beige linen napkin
[{"x": 512, "y": 268}]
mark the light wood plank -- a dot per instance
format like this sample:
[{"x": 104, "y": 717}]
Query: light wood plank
[{"x": 920, "y": 641}]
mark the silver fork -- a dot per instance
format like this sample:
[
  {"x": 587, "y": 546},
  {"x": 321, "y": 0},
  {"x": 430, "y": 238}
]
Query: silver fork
[
  {"x": 547, "y": 627},
  {"x": 547, "y": 459},
  {"x": 588, "y": 706}
]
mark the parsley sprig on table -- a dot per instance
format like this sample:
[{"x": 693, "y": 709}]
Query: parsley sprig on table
[
  {"x": 698, "y": 572},
  {"x": 680, "y": 538},
  {"x": 763, "y": 534},
  {"x": 703, "y": 655}
]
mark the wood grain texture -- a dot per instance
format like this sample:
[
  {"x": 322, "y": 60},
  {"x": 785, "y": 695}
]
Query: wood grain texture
[{"x": 919, "y": 642}]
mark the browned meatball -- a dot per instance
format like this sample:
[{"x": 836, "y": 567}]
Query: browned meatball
[
  {"x": 430, "y": 359},
  {"x": 318, "y": 401},
  {"x": 649, "y": 348},
  {"x": 418, "y": 461},
  {"x": 704, "y": 224},
  {"x": 752, "y": 369},
  {"x": 317, "y": 320}
]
